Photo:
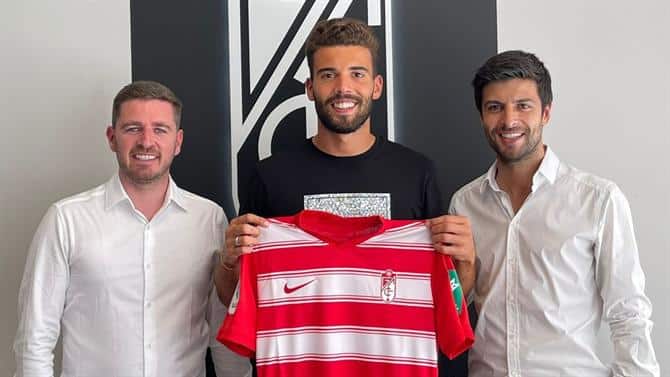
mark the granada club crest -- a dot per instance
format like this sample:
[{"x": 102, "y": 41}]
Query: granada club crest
[
  {"x": 267, "y": 70},
  {"x": 388, "y": 285}
]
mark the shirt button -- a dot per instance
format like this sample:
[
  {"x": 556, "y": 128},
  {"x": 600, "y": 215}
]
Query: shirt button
[
  {"x": 148, "y": 304},
  {"x": 148, "y": 267},
  {"x": 148, "y": 346}
]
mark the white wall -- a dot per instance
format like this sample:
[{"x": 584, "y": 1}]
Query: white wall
[
  {"x": 62, "y": 62},
  {"x": 610, "y": 66}
]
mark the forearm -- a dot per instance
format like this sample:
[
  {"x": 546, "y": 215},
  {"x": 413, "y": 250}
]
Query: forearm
[
  {"x": 240, "y": 236},
  {"x": 225, "y": 281},
  {"x": 466, "y": 274}
]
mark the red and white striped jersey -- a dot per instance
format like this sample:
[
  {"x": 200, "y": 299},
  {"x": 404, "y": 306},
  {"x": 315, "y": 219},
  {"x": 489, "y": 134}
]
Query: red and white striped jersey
[{"x": 323, "y": 295}]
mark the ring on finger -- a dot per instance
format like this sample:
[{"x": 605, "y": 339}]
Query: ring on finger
[{"x": 237, "y": 241}]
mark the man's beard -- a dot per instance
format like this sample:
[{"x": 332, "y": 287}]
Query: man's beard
[
  {"x": 141, "y": 176},
  {"x": 533, "y": 141},
  {"x": 340, "y": 124},
  {"x": 144, "y": 178}
]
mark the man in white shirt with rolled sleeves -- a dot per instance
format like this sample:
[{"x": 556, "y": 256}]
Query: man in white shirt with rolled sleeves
[
  {"x": 124, "y": 271},
  {"x": 556, "y": 247}
]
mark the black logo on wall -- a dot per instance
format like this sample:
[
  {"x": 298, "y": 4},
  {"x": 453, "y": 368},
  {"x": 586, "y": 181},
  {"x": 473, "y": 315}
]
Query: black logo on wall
[{"x": 269, "y": 109}]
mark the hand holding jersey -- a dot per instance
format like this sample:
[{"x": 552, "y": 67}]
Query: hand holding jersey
[
  {"x": 242, "y": 233},
  {"x": 451, "y": 236},
  {"x": 240, "y": 236}
]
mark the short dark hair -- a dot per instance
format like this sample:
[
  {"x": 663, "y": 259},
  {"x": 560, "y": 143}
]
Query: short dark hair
[
  {"x": 515, "y": 64},
  {"x": 146, "y": 90},
  {"x": 341, "y": 32}
]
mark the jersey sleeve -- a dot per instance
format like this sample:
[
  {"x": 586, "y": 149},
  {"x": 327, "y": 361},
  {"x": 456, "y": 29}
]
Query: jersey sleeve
[
  {"x": 238, "y": 331},
  {"x": 452, "y": 323}
]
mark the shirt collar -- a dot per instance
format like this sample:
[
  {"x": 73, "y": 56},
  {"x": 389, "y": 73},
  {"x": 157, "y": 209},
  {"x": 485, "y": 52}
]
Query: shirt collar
[
  {"x": 490, "y": 179},
  {"x": 548, "y": 171},
  {"x": 548, "y": 168},
  {"x": 115, "y": 194}
]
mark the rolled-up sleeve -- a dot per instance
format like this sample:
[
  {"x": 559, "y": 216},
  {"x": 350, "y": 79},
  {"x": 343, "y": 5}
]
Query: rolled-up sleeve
[
  {"x": 42, "y": 297},
  {"x": 621, "y": 281}
]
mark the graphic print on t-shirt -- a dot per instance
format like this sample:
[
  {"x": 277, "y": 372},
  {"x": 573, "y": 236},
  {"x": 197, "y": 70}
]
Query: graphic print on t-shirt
[
  {"x": 326, "y": 295},
  {"x": 351, "y": 204}
]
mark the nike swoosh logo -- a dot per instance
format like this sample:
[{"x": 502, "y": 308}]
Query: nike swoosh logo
[{"x": 289, "y": 290}]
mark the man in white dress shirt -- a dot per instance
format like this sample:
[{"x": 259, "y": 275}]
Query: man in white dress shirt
[
  {"x": 556, "y": 248},
  {"x": 124, "y": 271}
]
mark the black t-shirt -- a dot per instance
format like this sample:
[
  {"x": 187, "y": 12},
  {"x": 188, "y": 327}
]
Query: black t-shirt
[{"x": 388, "y": 179}]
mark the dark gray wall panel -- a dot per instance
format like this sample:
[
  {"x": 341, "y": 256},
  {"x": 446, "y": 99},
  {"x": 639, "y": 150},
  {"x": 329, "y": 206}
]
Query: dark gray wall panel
[{"x": 438, "y": 45}]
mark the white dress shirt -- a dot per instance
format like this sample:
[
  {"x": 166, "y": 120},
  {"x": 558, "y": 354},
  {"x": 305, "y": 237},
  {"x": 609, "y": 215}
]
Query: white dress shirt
[
  {"x": 549, "y": 274},
  {"x": 130, "y": 297}
]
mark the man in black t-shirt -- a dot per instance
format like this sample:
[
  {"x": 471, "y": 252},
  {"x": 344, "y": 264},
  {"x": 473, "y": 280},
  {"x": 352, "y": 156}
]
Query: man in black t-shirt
[
  {"x": 344, "y": 168},
  {"x": 387, "y": 179}
]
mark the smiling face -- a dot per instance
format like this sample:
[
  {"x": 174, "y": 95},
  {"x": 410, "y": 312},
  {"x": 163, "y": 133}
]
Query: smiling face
[
  {"x": 343, "y": 86},
  {"x": 145, "y": 139},
  {"x": 513, "y": 118}
]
